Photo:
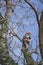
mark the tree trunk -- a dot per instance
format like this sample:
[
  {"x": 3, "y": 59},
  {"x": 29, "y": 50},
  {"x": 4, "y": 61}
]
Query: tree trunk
[
  {"x": 41, "y": 35},
  {"x": 5, "y": 59}
]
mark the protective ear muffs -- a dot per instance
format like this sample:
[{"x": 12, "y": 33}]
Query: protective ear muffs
[{"x": 27, "y": 36}]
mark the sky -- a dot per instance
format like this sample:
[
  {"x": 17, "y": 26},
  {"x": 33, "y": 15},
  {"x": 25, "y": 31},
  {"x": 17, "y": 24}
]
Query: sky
[
  {"x": 27, "y": 20},
  {"x": 29, "y": 23}
]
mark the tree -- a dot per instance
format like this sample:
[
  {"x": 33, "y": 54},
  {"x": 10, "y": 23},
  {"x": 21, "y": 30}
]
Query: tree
[
  {"x": 40, "y": 26},
  {"x": 4, "y": 56},
  {"x": 41, "y": 35},
  {"x": 10, "y": 6}
]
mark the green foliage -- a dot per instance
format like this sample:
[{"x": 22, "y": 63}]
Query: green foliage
[
  {"x": 1, "y": 17},
  {"x": 5, "y": 59},
  {"x": 28, "y": 57}
]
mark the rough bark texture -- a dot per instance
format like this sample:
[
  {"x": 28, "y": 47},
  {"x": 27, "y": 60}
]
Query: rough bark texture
[
  {"x": 5, "y": 59},
  {"x": 41, "y": 35}
]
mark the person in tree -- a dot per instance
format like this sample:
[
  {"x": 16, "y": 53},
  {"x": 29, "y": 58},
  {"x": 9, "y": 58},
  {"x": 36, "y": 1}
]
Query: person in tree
[{"x": 26, "y": 40}]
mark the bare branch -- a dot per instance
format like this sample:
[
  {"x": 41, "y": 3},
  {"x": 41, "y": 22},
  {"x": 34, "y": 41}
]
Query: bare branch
[
  {"x": 33, "y": 10},
  {"x": 34, "y": 52},
  {"x": 9, "y": 3},
  {"x": 14, "y": 53},
  {"x": 15, "y": 34}
]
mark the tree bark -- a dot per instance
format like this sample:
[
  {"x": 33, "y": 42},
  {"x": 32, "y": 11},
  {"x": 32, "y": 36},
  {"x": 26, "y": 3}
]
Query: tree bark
[
  {"x": 5, "y": 59},
  {"x": 41, "y": 35}
]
